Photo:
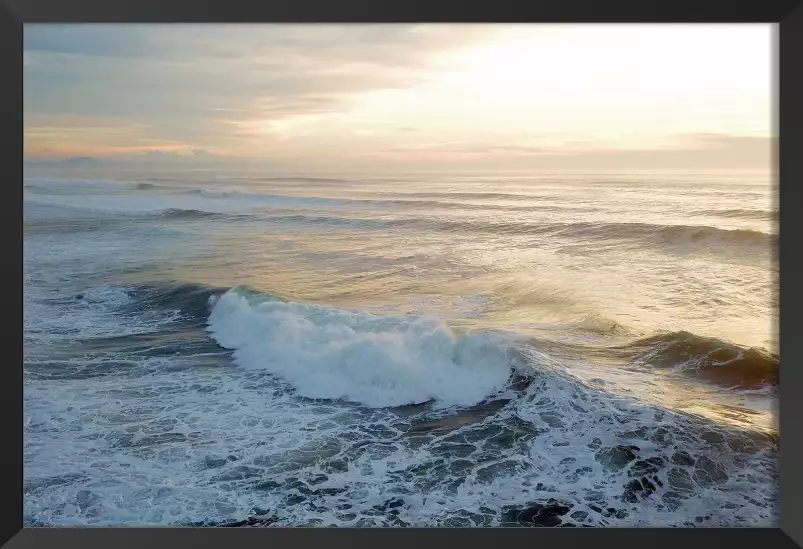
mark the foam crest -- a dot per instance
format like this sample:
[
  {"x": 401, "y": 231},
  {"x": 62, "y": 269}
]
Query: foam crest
[{"x": 377, "y": 361}]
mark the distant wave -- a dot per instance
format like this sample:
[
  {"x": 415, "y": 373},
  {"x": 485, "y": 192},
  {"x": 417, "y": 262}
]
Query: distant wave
[
  {"x": 472, "y": 196},
  {"x": 600, "y": 325},
  {"x": 266, "y": 199},
  {"x": 58, "y": 186},
  {"x": 214, "y": 193},
  {"x": 150, "y": 207},
  {"x": 380, "y": 202},
  {"x": 709, "y": 359},
  {"x": 98, "y": 186},
  {"x": 673, "y": 234},
  {"x": 697, "y": 236},
  {"x": 743, "y": 214},
  {"x": 299, "y": 179},
  {"x": 232, "y": 204},
  {"x": 179, "y": 213},
  {"x": 147, "y": 186},
  {"x": 342, "y": 222}
]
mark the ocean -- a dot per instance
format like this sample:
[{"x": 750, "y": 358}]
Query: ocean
[{"x": 443, "y": 349}]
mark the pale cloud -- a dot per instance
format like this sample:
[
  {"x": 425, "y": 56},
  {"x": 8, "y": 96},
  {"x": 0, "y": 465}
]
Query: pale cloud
[
  {"x": 345, "y": 94},
  {"x": 176, "y": 79}
]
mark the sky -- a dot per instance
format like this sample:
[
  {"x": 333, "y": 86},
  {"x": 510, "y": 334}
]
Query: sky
[{"x": 519, "y": 96}]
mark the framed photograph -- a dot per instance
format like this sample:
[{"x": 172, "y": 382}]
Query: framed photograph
[{"x": 343, "y": 269}]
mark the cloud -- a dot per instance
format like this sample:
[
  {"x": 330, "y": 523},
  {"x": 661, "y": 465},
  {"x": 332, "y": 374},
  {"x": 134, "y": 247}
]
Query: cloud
[
  {"x": 524, "y": 95},
  {"x": 72, "y": 135},
  {"x": 178, "y": 80},
  {"x": 103, "y": 40}
]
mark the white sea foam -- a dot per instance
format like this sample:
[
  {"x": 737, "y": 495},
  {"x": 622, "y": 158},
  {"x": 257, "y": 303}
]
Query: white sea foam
[
  {"x": 154, "y": 451},
  {"x": 373, "y": 360}
]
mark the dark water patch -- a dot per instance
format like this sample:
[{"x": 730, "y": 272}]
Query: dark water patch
[
  {"x": 41, "y": 484},
  {"x": 616, "y": 458},
  {"x": 457, "y": 420},
  {"x": 214, "y": 463},
  {"x": 680, "y": 481},
  {"x": 709, "y": 472},
  {"x": 168, "y": 343},
  {"x": 192, "y": 301},
  {"x": 505, "y": 468},
  {"x": 638, "y": 489},
  {"x": 179, "y": 213},
  {"x": 682, "y": 458},
  {"x": 647, "y": 466},
  {"x": 548, "y": 513},
  {"x": 261, "y": 518}
]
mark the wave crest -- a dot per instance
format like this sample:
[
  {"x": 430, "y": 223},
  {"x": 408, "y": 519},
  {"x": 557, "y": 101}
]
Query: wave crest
[
  {"x": 710, "y": 359},
  {"x": 378, "y": 361}
]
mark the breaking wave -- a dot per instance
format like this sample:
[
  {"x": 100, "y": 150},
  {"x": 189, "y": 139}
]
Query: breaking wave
[{"x": 378, "y": 361}]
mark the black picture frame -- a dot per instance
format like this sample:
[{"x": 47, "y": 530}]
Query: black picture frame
[{"x": 789, "y": 81}]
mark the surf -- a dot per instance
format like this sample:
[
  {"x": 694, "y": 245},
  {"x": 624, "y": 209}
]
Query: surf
[{"x": 376, "y": 361}]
